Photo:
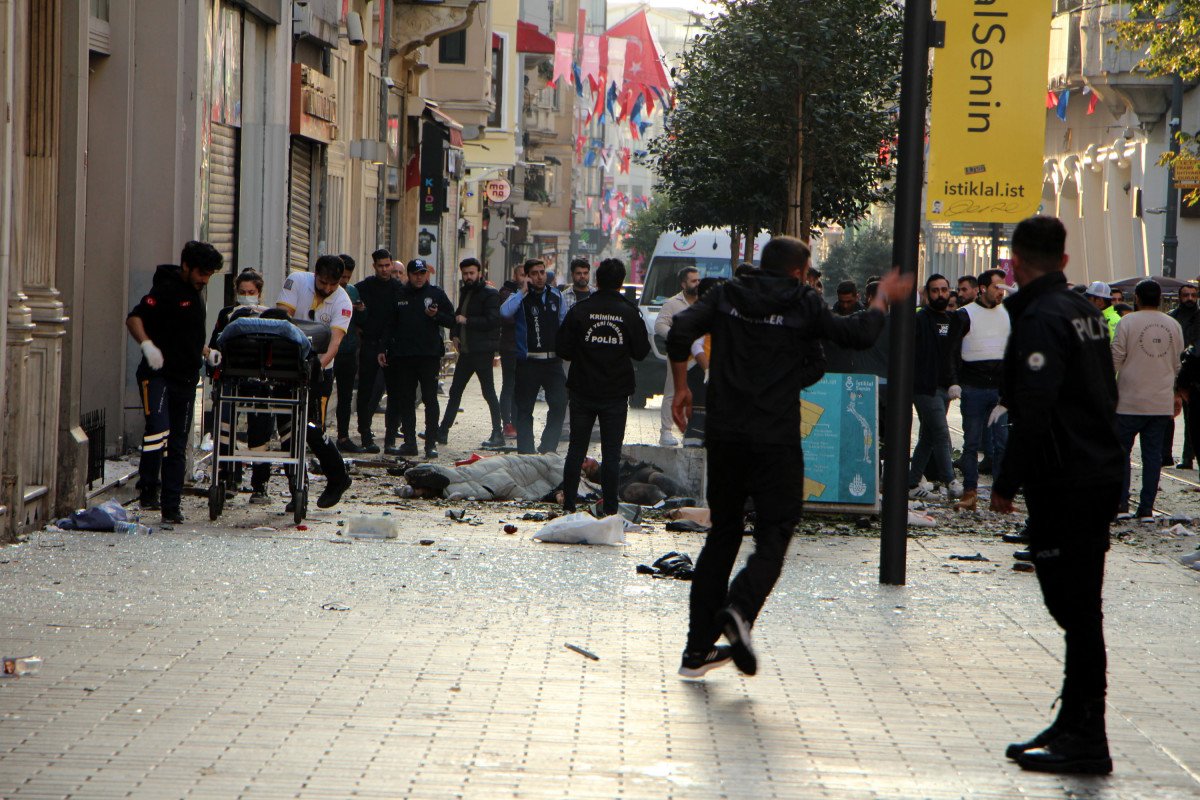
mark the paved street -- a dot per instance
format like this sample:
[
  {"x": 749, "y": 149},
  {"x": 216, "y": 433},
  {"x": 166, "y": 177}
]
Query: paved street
[{"x": 199, "y": 662}]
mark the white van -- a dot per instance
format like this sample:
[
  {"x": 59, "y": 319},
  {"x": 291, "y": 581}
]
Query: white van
[{"x": 708, "y": 251}]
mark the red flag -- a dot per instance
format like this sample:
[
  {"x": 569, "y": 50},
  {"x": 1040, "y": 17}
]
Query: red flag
[
  {"x": 564, "y": 51},
  {"x": 412, "y": 173},
  {"x": 1051, "y": 100},
  {"x": 1093, "y": 101},
  {"x": 643, "y": 56}
]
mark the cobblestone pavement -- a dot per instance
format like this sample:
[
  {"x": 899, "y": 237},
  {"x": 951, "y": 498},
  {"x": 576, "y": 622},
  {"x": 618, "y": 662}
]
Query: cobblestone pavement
[{"x": 199, "y": 662}]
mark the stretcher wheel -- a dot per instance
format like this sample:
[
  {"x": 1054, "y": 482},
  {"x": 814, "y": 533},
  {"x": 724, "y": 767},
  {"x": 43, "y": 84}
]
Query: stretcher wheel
[
  {"x": 300, "y": 509},
  {"x": 216, "y": 499}
]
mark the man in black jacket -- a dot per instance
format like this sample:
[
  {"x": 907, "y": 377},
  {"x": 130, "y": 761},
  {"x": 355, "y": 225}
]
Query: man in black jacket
[
  {"x": 600, "y": 336},
  {"x": 476, "y": 336},
  {"x": 760, "y": 325},
  {"x": 169, "y": 326},
  {"x": 1063, "y": 450},
  {"x": 415, "y": 349},
  {"x": 1187, "y": 314},
  {"x": 377, "y": 293},
  {"x": 935, "y": 383},
  {"x": 508, "y": 353}
]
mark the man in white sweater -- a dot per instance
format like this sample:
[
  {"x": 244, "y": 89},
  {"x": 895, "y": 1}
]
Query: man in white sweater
[
  {"x": 689, "y": 284},
  {"x": 1146, "y": 352}
]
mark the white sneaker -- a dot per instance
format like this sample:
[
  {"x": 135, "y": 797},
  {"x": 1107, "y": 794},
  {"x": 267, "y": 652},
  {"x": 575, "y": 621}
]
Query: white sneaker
[
  {"x": 956, "y": 489},
  {"x": 922, "y": 491},
  {"x": 667, "y": 440}
]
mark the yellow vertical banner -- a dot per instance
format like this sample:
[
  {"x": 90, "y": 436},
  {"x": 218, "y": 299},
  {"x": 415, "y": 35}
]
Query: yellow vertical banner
[{"x": 988, "y": 123}]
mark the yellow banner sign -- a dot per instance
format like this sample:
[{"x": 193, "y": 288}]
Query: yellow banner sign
[
  {"x": 988, "y": 125},
  {"x": 1187, "y": 173}
]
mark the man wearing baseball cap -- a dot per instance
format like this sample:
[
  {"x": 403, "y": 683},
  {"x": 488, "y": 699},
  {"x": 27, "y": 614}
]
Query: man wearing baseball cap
[{"x": 1099, "y": 295}]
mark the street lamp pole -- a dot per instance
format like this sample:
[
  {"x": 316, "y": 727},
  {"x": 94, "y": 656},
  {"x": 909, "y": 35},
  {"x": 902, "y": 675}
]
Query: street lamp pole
[
  {"x": 1171, "y": 228},
  {"x": 906, "y": 240},
  {"x": 385, "y": 56}
]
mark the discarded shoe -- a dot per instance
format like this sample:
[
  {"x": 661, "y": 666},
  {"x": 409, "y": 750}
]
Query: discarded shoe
[
  {"x": 698, "y": 664},
  {"x": 672, "y": 565},
  {"x": 738, "y": 633}
]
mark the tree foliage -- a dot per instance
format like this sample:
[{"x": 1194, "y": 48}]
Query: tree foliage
[
  {"x": 737, "y": 131},
  {"x": 647, "y": 225},
  {"x": 1170, "y": 33},
  {"x": 864, "y": 252}
]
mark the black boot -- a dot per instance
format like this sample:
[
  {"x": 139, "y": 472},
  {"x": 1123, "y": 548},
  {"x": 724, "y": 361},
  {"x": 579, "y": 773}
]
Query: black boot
[
  {"x": 1079, "y": 748},
  {"x": 1064, "y": 719}
]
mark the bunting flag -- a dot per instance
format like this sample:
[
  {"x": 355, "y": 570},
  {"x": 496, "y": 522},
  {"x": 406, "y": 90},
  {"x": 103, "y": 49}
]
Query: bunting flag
[
  {"x": 589, "y": 61},
  {"x": 625, "y": 160},
  {"x": 564, "y": 52},
  {"x": 1051, "y": 100},
  {"x": 610, "y": 102},
  {"x": 579, "y": 142},
  {"x": 1063, "y": 99},
  {"x": 578, "y": 79},
  {"x": 635, "y": 118},
  {"x": 643, "y": 56},
  {"x": 1093, "y": 101},
  {"x": 616, "y": 60},
  {"x": 590, "y": 158}
]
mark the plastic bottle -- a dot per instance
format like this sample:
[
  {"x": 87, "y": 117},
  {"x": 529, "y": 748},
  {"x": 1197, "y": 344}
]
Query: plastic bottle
[
  {"x": 130, "y": 527},
  {"x": 16, "y": 666}
]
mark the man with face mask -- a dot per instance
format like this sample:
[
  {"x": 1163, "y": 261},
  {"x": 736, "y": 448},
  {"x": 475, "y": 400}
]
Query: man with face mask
[
  {"x": 689, "y": 287},
  {"x": 981, "y": 373},
  {"x": 938, "y": 351},
  {"x": 1187, "y": 314},
  {"x": 476, "y": 337}
]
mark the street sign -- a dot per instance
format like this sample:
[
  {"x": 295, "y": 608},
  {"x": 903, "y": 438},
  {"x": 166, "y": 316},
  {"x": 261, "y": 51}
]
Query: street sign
[
  {"x": 839, "y": 430},
  {"x": 1187, "y": 173},
  {"x": 497, "y": 190}
]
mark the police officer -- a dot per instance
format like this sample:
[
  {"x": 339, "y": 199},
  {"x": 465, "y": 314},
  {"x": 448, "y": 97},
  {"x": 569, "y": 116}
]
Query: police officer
[
  {"x": 537, "y": 311},
  {"x": 600, "y": 336},
  {"x": 414, "y": 351},
  {"x": 1063, "y": 450},
  {"x": 169, "y": 325}
]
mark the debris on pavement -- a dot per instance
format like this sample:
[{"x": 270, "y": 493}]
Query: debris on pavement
[
  {"x": 1023, "y": 566},
  {"x": 372, "y": 528},
  {"x": 582, "y": 528},
  {"x": 1179, "y": 529},
  {"x": 97, "y": 518},
  {"x": 462, "y": 516},
  {"x": 701, "y": 515},
  {"x": 510, "y": 528},
  {"x": 538, "y": 516},
  {"x": 918, "y": 520},
  {"x": 687, "y": 526},
  {"x": 672, "y": 565},
  {"x": 426, "y": 542},
  {"x": 976, "y": 557},
  {"x": 335, "y": 606},
  {"x": 16, "y": 666},
  {"x": 582, "y": 652}
]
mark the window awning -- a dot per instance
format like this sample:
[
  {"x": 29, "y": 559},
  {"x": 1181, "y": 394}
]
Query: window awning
[
  {"x": 531, "y": 40},
  {"x": 451, "y": 124}
]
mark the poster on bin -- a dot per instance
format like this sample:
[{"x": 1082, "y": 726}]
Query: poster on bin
[{"x": 839, "y": 424}]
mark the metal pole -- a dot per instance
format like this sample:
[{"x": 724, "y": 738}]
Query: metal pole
[
  {"x": 906, "y": 240},
  {"x": 1170, "y": 230},
  {"x": 385, "y": 56},
  {"x": 995, "y": 245}
]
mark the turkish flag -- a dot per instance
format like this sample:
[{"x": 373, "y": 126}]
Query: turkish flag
[{"x": 643, "y": 56}]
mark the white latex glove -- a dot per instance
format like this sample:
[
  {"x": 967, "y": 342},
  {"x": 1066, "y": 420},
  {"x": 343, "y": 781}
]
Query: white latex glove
[
  {"x": 955, "y": 392},
  {"x": 154, "y": 356},
  {"x": 997, "y": 412},
  {"x": 214, "y": 358}
]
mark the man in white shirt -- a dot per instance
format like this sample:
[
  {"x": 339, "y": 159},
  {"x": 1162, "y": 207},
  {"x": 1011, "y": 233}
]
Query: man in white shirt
[
  {"x": 1146, "y": 352},
  {"x": 689, "y": 285},
  {"x": 317, "y": 296}
]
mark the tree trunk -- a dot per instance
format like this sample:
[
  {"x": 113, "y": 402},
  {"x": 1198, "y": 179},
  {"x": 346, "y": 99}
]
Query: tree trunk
[
  {"x": 806, "y": 206},
  {"x": 748, "y": 251},
  {"x": 793, "y": 224},
  {"x": 734, "y": 247}
]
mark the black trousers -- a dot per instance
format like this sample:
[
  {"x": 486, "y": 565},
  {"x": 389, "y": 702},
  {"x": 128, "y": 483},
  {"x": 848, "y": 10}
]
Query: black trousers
[
  {"x": 1069, "y": 537},
  {"x": 368, "y": 372},
  {"x": 471, "y": 365},
  {"x": 345, "y": 370},
  {"x": 168, "y": 408},
  {"x": 1190, "y": 431},
  {"x": 320, "y": 445},
  {"x": 409, "y": 373},
  {"x": 585, "y": 411},
  {"x": 532, "y": 375},
  {"x": 773, "y": 475},
  {"x": 508, "y": 387}
]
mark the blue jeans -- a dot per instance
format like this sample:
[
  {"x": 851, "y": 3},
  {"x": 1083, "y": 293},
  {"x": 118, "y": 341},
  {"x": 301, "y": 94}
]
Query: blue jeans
[
  {"x": 976, "y": 405},
  {"x": 933, "y": 440},
  {"x": 1152, "y": 431}
]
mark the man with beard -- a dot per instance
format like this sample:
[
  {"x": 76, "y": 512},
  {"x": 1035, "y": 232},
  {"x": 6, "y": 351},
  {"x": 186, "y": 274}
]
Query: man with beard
[
  {"x": 689, "y": 285},
  {"x": 981, "y": 372},
  {"x": 935, "y": 383},
  {"x": 1188, "y": 317},
  {"x": 580, "y": 288},
  {"x": 475, "y": 335},
  {"x": 968, "y": 289},
  {"x": 378, "y": 295}
]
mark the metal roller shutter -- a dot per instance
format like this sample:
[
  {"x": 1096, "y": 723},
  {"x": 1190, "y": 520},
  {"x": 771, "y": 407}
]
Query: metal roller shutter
[
  {"x": 300, "y": 206},
  {"x": 222, "y": 192}
]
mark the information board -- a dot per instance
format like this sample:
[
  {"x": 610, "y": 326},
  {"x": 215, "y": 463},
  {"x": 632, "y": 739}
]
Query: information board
[{"x": 839, "y": 424}]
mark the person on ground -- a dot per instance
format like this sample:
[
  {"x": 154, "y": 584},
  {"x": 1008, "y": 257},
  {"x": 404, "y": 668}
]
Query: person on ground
[
  {"x": 1187, "y": 314},
  {"x": 938, "y": 351},
  {"x": 689, "y": 284},
  {"x": 1099, "y": 295},
  {"x": 1145, "y": 356},
  {"x": 315, "y": 296},
  {"x": 508, "y": 353},
  {"x": 980, "y": 376},
  {"x": 581, "y": 279},
  {"x": 345, "y": 366},
  {"x": 601, "y": 336},
  {"x": 1063, "y": 451},
  {"x": 414, "y": 353},
  {"x": 377, "y": 293},
  {"x": 968, "y": 290},
  {"x": 476, "y": 337},
  {"x": 847, "y": 299},
  {"x": 168, "y": 324},
  {"x": 537, "y": 312},
  {"x": 759, "y": 325}
]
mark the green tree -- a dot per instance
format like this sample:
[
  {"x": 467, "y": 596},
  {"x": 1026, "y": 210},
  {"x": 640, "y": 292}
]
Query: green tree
[
  {"x": 864, "y": 252},
  {"x": 1169, "y": 30},
  {"x": 773, "y": 129},
  {"x": 647, "y": 225}
]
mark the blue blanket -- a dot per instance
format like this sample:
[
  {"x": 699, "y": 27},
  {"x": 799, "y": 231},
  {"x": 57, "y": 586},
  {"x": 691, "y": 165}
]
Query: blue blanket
[{"x": 273, "y": 327}]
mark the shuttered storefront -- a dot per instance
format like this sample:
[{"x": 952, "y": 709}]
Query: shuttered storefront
[
  {"x": 300, "y": 205},
  {"x": 221, "y": 213}
]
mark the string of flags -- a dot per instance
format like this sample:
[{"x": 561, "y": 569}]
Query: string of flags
[
  {"x": 1060, "y": 100},
  {"x": 615, "y": 207}
]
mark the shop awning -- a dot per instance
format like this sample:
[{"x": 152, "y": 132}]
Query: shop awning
[
  {"x": 531, "y": 40},
  {"x": 454, "y": 126}
]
